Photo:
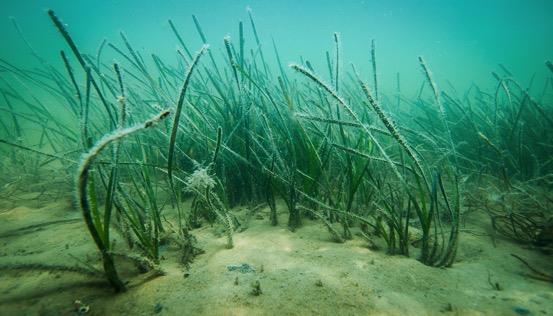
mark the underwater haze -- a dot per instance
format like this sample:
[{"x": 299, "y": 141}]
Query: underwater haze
[
  {"x": 276, "y": 157},
  {"x": 463, "y": 40}
]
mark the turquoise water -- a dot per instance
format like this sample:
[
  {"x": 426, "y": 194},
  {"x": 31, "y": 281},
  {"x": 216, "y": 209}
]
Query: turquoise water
[{"x": 463, "y": 41}]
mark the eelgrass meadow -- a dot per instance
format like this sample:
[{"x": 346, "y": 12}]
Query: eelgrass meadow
[{"x": 150, "y": 149}]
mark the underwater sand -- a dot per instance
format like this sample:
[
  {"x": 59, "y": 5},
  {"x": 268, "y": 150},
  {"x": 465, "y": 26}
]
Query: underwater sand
[{"x": 301, "y": 273}]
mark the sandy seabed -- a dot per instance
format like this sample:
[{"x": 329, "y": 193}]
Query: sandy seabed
[{"x": 299, "y": 273}]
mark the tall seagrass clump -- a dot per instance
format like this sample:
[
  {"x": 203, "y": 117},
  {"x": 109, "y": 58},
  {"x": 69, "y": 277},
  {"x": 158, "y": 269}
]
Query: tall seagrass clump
[{"x": 97, "y": 227}]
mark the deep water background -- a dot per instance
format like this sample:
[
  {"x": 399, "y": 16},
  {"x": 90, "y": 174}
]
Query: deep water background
[{"x": 462, "y": 41}]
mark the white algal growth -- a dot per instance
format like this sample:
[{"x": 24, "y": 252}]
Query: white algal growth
[{"x": 200, "y": 181}]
